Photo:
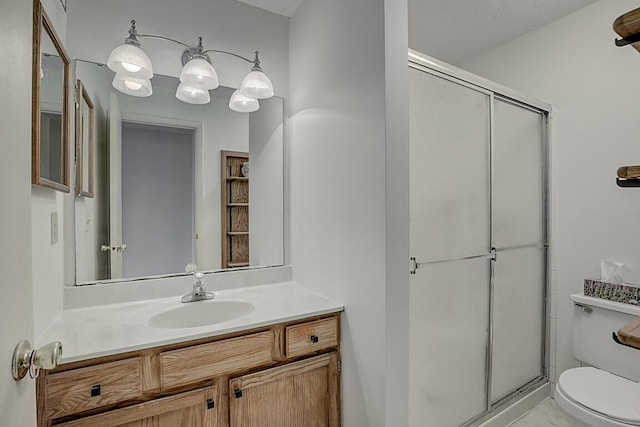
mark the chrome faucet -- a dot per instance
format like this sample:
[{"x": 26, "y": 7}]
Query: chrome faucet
[{"x": 199, "y": 292}]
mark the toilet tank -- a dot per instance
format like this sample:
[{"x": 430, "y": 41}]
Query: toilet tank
[{"x": 593, "y": 343}]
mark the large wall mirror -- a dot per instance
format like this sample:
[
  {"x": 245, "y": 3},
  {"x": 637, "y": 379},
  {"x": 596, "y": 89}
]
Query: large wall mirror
[
  {"x": 158, "y": 181},
  {"x": 51, "y": 106}
]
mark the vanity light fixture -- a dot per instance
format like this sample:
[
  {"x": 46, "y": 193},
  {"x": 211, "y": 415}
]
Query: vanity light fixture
[
  {"x": 132, "y": 85},
  {"x": 129, "y": 59},
  {"x": 134, "y": 70},
  {"x": 243, "y": 104},
  {"x": 256, "y": 84},
  {"x": 192, "y": 95}
]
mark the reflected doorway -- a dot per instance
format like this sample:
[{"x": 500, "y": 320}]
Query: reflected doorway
[{"x": 158, "y": 214}]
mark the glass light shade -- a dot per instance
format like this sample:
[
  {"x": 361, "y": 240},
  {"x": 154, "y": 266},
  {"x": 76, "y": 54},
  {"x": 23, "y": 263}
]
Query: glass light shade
[
  {"x": 243, "y": 104},
  {"x": 198, "y": 73},
  {"x": 130, "y": 60},
  {"x": 192, "y": 95},
  {"x": 257, "y": 85},
  {"x": 132, "y": 86}
]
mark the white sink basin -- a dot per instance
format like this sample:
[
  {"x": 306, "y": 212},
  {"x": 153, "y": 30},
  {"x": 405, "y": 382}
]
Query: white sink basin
[{"x": 202, "y": 313}]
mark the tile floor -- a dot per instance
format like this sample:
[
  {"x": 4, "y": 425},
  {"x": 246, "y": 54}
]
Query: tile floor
[{"x": 543, "y": 415}]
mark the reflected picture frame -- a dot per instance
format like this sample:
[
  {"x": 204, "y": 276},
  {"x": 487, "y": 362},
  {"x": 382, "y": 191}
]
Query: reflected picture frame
[
  {"x": 42, "y": 22},
  {"x": 85, "y": 142}
]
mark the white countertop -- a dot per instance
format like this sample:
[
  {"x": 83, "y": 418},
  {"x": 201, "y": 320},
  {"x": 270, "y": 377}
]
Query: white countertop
[{"x": 87, "y": 333}]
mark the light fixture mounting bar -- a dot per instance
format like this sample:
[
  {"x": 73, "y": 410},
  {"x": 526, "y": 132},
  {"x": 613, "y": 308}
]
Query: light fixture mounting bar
[
  {"x": 152, "y": 36},
  {"x": 229, "y": 53},
  {"x": 255, "y": 61}
]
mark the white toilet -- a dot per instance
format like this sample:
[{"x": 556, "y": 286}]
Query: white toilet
[{"x": 605, "y": 394}]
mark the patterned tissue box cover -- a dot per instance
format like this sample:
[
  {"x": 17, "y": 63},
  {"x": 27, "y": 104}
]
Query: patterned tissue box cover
[{"x": 619, "y": 293}]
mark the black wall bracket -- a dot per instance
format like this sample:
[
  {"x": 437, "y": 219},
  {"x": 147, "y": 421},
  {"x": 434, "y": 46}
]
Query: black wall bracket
[
  {"x": 617, "y": 340},
  {"x": 628, "y": 40}
]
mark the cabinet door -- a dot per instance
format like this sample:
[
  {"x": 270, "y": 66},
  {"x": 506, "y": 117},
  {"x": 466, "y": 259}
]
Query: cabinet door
[
  {"x": 198, "y": 408},
  {"x": 304, "y": 393}
]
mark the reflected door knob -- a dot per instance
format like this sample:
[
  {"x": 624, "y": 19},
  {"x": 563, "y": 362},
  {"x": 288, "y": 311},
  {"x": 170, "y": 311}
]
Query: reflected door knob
[{"x": 116, "y": 248}]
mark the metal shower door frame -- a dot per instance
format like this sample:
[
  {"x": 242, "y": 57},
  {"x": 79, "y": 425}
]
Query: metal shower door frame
[{"x": 495, "y": 92}]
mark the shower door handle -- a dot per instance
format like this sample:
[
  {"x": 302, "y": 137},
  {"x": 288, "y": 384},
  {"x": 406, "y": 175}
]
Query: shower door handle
[{"x": 415, "y": 265}]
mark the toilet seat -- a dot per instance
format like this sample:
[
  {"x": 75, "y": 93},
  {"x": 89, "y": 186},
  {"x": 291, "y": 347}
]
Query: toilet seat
[{"x": 599, "y": 394}]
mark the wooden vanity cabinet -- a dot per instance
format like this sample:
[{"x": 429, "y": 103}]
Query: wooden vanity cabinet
[
  {"x": 286, "y": 375},
  {"x": 303, "y": 393}
]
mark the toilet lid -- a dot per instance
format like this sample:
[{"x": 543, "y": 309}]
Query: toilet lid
[{"x": 603, "y": 392}]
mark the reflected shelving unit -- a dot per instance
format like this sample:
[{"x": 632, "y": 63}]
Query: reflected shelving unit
[{"x": 235, "y": 210}]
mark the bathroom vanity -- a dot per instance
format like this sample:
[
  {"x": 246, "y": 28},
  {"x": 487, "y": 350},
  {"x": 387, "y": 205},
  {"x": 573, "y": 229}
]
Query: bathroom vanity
[{"x": 278, "y": 365}]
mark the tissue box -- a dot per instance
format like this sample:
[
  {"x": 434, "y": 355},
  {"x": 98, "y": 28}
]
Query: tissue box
[{"x": 628, "y": 294}]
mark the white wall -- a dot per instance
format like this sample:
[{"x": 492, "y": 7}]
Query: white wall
[
  {"x": 17, "y": 399},
  {"x": 337, "y": 167},
  {"x": 593, "y": 88},
  {"x": 266, "y": 148},
  {"x": 397, "y": 212},
  {"x": 52, "y": 264}
]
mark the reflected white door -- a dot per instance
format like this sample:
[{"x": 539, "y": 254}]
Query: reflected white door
[{"x": 115, "y": 188}]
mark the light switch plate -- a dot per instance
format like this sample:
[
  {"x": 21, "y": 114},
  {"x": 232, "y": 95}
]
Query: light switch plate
[{"x": 54, "y": 228}]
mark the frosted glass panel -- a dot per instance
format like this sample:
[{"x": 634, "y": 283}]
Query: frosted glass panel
[
  {"x": 449, "y": 168},
  {"x": 518, "y": 208},
  {"x": 518, "y": 309},
  {"x": 449, "y": 319}
]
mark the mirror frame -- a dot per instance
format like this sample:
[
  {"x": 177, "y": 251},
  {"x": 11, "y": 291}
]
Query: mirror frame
[
  {"x": 42, "y": 21},
  {"x": 84, "y": 98}
]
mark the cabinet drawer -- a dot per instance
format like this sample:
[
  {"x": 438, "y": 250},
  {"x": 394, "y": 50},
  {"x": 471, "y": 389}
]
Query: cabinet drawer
[
  {"x": 78, "y": 390},
  {"x": 310, "y": 337},
  {"x": 198, "y": 407},
  {"x": 205, "y": 361}
]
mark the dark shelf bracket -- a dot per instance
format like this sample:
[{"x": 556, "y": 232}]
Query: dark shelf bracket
[
  {"x": 628, "y": 40},
  {"x": 628, "y": 183},
  {"x": 617, "y": 340}
]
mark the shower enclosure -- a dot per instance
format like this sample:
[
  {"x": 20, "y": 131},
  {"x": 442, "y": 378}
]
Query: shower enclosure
[{"x": 478, "y": 245}]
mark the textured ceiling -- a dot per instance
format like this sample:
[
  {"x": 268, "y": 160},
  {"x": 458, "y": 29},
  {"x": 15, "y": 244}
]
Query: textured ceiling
[
  {"x": 456, "y": 30},
  {"x": 281, "y": 7}
]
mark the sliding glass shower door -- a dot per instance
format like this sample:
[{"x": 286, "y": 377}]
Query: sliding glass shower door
[
  {"x": 450, "y": 238},
  {"x": 477, "y": 246},
  {"x": 518, "y": 235}
]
